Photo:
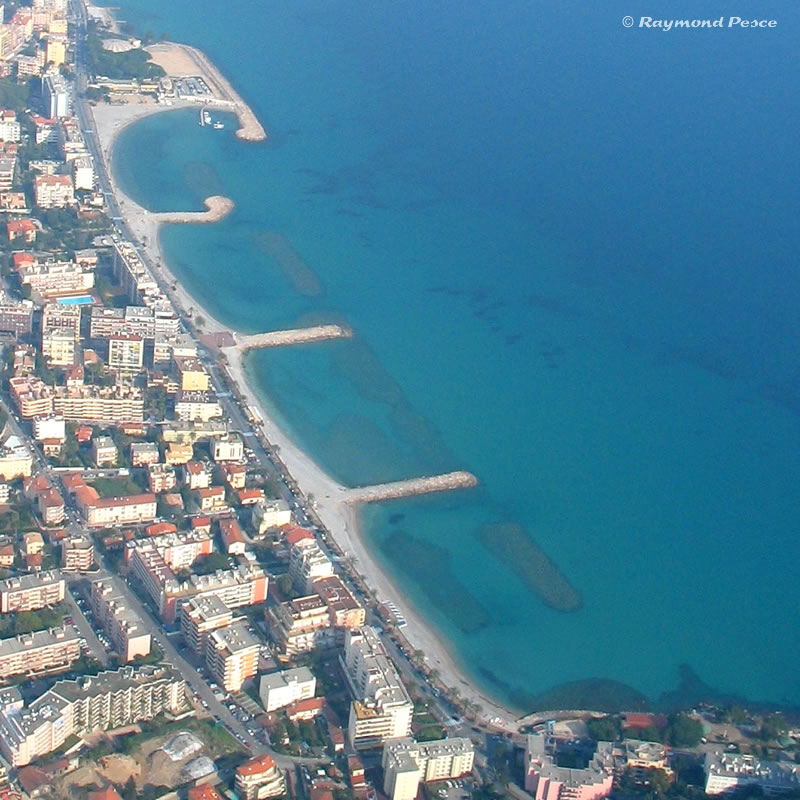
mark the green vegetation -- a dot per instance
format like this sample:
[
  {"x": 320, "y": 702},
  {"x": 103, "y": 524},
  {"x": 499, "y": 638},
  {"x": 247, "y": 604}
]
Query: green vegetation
[
  {"x": 155, "y": 656},
  {"x": 116, "y": 487},
  {"x": 28, "y": 621},
  {"x": 117, "y": 66},
  {"x": 604, "y": 729},
  {"x": 217, "y": 739},
  {"x": 205, "y": 565},
  {"x": 14, "y": 95},
  {"x": 301, "y": 736}
]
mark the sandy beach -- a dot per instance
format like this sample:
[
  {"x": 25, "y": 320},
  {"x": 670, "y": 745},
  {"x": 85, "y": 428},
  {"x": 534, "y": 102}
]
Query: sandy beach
[{"x": 338, "y": 516}]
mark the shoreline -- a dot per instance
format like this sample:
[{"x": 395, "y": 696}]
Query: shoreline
[{"x": 339, "y": 517}]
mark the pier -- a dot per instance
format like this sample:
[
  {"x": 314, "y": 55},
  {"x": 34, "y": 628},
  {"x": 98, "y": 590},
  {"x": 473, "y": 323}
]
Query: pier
[
  {"x": 316, "y": 333},
  {"x": 218, "y": 207},
  {"x": 395, "y": 490}
]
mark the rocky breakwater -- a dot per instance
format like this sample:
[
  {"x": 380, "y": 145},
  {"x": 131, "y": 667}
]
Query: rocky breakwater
[
  {"x": 315, "y": 333},
  {"x": 217, "y": 208},
  {"x": 395, "y": 490}
]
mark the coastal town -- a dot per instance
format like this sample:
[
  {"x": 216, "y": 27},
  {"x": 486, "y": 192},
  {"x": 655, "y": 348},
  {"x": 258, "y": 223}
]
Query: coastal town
[{"x": 186, "y": 610}]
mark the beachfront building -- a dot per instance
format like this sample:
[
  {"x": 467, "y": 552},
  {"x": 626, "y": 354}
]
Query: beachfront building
[
  {"x": 196, "y": 406},
  {"x": 407, "y": 763},
  {"x": 727, "y": 772},
  {"x": 344, "y": 610},
  {"x": 232, "y": 655},
  {"x": 281, "y": 689},
  {"x": 105, "y": 701},
  {"x": 381, "y": 708},
  {"x": 259, "y": 779},
  {"x": 192, "y": 375},
  {"x": 545, "y": 780},
  {"x": 307, "y": 564},
  {"x": 229, "y": 447},
  {"x": 269, "y": 514},
  {"x": 52, "y": 279}
]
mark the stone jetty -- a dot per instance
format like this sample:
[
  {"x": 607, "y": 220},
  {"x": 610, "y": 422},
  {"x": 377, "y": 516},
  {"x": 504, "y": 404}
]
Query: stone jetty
[
  {"x": 316, "y": 333},
  {"x": 413, "y": 486}
]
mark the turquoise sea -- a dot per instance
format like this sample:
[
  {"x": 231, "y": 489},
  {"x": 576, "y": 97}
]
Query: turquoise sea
[{"x": 569, "y": 252}]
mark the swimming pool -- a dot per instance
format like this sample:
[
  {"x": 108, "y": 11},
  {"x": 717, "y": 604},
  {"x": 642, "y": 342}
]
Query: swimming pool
[{"x": 79, "y": 300}]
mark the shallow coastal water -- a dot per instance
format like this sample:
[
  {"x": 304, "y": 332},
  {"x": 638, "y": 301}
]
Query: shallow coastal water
[{"x": 567, "y": 251}]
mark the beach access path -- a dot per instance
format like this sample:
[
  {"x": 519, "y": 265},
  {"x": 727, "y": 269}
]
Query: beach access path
[{"x": 330, "y": 497}]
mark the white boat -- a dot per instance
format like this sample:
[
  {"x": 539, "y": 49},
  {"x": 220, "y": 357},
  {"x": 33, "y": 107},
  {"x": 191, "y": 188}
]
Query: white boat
[
  {"x": 203, "y": 117},
  {"x": 218, "y": 126},
  {"x": 206, "y": 118}
]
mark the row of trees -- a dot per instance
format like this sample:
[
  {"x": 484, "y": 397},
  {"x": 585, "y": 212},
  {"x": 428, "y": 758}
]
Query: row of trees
[{"x": 681, "y": 731}]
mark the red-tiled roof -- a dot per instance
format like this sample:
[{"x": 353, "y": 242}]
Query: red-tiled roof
[
  {"x": 109, "y": 793},
  {"x": 295, "y": 535},
  {"x": 255, "y": 766},
  {"x": 159, "y": 528},
  {"x": 204, "y": 792}
]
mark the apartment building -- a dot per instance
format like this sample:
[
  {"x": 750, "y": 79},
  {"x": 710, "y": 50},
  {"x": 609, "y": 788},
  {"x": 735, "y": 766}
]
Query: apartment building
[
  {"x": 130, "y": 271},
  {"x": 301, "y": 625},
  {"x": 39, "y": 652},
  {"x": 99, "y": 403},
  {"x": 53, "y": 191},
  {"x": 229, "y": 447},
  {"x": 31, "y": 592},
  {"x": 83, "y": 174},
  {"x": 268, "y": 514},
  {"x": 381, "y": 708},
  {"x": 192, "y": 375},
  {"x": 200, "y": 616},
  {"x": 130, "y": 321},
  {"x": 161, "y": 478},
  {"x": 110, "y": 511},
  {"x": 235, "y": 475},
  {"x": 233, "y": 537},
  {"x": 104, "y": 451},
  {"x": 245, "y": 585},
  {"x": 307, "y": 564},
  {"x": 52, "y": 279},
  {"x": 49, "y": 427},
  {"x": 259, "y": 779},
  {"x": 144, "y": 454},
  {"x": 232, "y": 655},
  {"x": 196, "y": 475},
  {"x": 77, "y": 554},
  {"x": 109, "y": 700},
  {"x": 210, "y": 500},
  {"x": 196, "y": 406},
  {"x": 545, "y": 780},
  {"x": 727, "y": 772},
  {"x": 123, "y": 626},
  {"x": 49, "y": 503},
  {"x": 281, "y": 689},
  {"x": 344, "y": 610},
  {"x": 126, "y": 353},
  {"x": 407, "y": 763},
  {"x": 16, "y": 316},
  {"x": 60, "y": 317},
  {"x": 10, "y": 130},
  {"x": 16, "y": 460},
  {"x": 55, "y": 96},
  {"x": 58, "y": 348}
]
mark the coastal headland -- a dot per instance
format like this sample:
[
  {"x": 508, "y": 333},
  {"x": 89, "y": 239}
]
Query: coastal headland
[{"x": 335, "y": 505}]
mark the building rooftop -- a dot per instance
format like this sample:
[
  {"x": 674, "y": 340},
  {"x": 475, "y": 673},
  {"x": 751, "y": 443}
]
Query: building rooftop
[
  {"x": 280, "y": 680},
  {"x": 256, "y": 766},
  {"x": 234, "y": 638}
]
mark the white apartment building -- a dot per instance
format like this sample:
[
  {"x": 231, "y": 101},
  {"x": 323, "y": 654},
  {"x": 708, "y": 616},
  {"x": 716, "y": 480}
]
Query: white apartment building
[
  {"x": 268, "y": 514},
  {"x": 228, "y": 448},
  {"x": 381, "y": 708},
  {"x": 83, "y": 176},
  {"x": 232, "y": 655},
  {"x": 406, "y": 763},
  {"x": 728, "y": 771},
  {"x": 105, "y": 701},
  {"x": 281, "y": 689},
  {"x": 307, "y": 564}
]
